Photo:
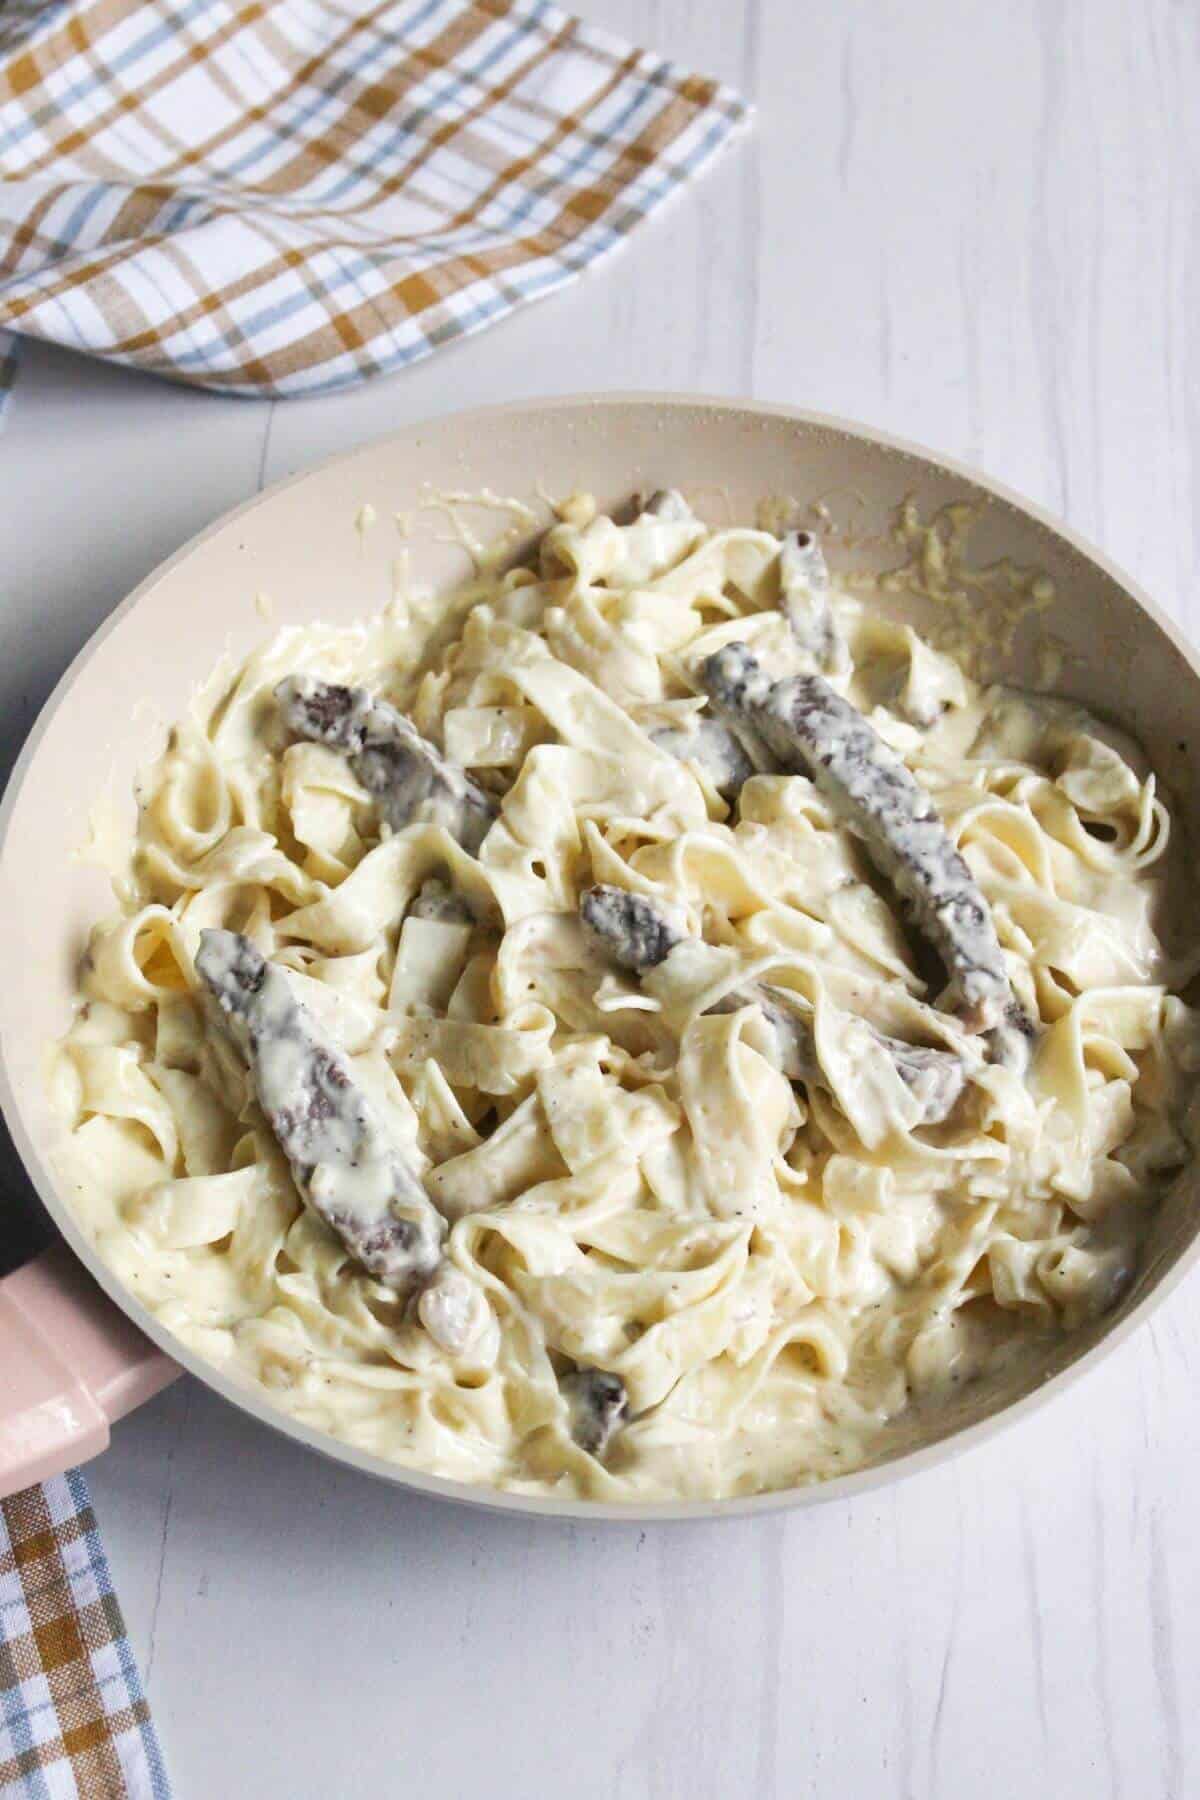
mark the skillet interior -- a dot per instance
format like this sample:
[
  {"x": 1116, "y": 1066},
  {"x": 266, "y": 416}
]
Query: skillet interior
[{"x": 302, "y": 552}]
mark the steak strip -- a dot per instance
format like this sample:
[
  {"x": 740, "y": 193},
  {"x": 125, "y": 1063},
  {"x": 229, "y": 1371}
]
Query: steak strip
[
  {"x": 347, "y": 1168},
  {"x": 806, "y": 602},
  {"x": 410, "y": 779},
  {"x": 597, "y": 1406},
  {"x": 814, "y": 732},
  {"x": 714, "y": 748},
  {"x": 637, "y": 934}
]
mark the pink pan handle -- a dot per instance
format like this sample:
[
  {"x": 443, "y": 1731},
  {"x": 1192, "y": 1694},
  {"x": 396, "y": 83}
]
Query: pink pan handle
[{"x": 70, "y": 1363}]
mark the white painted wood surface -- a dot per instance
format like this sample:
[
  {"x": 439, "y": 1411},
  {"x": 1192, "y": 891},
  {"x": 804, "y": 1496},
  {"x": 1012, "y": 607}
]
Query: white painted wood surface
[{"x": 977, "y": 225}]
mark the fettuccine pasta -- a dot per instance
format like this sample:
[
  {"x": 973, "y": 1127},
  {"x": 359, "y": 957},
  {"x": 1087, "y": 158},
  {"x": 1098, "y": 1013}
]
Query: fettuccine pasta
[{"x": 772, "y": 1265}]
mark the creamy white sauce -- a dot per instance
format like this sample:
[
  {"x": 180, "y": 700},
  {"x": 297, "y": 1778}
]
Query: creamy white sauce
[{"x": 632, "y": 1185}]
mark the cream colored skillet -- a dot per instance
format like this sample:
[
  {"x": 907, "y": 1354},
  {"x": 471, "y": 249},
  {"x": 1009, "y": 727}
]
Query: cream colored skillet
[{"x": 73, "y": 1354}]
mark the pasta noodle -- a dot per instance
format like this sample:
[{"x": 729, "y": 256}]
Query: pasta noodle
[{"x": 774, "y": 1271}]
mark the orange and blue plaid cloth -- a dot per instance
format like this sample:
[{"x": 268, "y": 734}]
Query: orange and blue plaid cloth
[
  {"x": 278, "y": 197},
  {"x": 74, "y": 1723}
]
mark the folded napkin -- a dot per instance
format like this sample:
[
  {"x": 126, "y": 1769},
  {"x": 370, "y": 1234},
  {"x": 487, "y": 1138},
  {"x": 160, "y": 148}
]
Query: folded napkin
[
  {"x": 276, "y": 197},
  {"x": 73, "y": 1719}
]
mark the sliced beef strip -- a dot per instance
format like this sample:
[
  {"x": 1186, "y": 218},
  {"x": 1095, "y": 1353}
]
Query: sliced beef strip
[
  {"x": 406, "y": 775},
  {"x": 638, "y": 934}
]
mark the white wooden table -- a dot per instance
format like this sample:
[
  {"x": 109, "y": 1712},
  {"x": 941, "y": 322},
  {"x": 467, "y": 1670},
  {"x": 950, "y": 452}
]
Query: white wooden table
[{"x": 975, "y": 225}]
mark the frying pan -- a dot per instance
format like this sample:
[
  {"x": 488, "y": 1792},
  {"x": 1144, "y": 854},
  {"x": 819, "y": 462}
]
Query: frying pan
[{"x": 76, "y": 1349}]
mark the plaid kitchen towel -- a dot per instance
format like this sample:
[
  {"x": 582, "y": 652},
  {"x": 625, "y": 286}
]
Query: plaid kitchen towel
[
  {"x": 276, "y": 197},
  {"x": 74, "y": 1723}
]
